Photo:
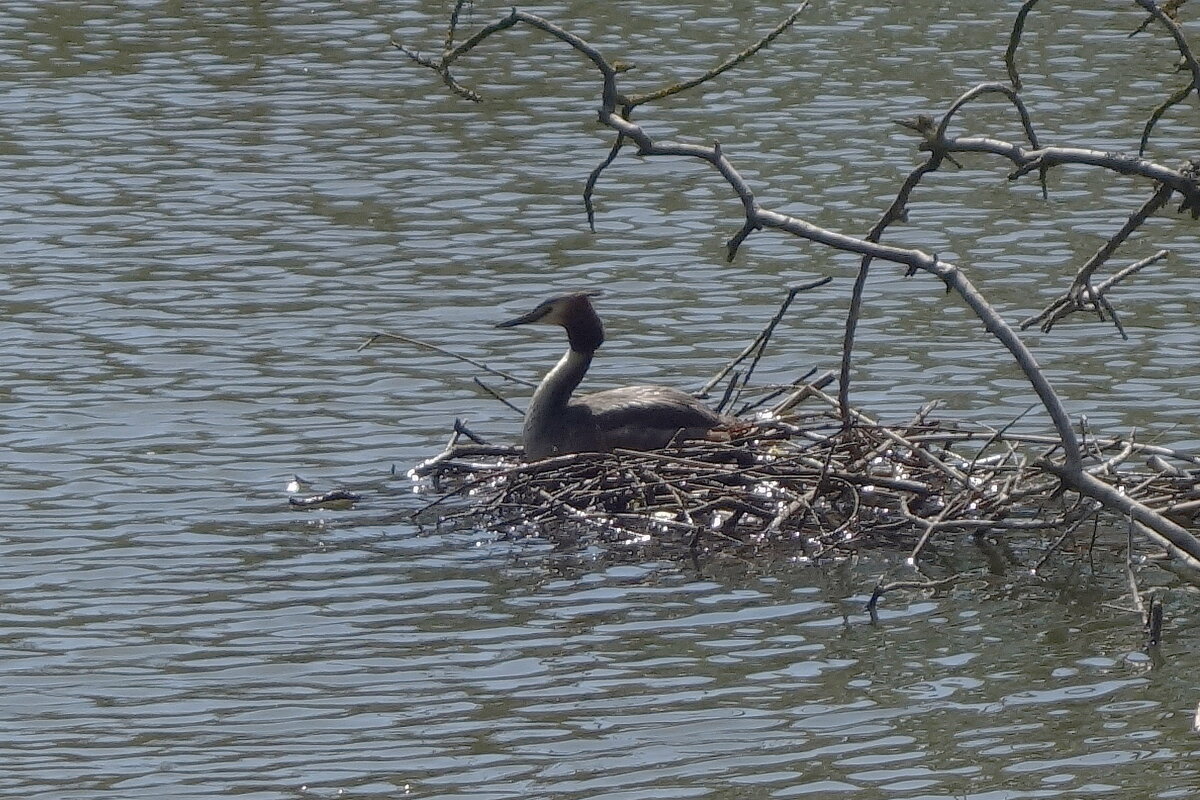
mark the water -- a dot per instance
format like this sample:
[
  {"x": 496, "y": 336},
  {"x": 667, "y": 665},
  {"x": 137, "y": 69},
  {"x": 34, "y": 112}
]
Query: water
[{"x": 206, "y": 209}]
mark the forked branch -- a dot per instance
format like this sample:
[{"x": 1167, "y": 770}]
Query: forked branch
[{"x": 1082, "y": 295}]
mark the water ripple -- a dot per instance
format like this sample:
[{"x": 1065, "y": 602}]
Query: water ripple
[{"x": 208, "y": 209}]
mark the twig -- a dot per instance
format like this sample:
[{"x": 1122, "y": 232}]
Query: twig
[
  {"x": 883, "y": 588},
  {"x": 589, "y": 187},
  {"x": 460, "y": 428},
  {"x": 1176, "y": 97},
  {"x": 1014, "y": 41},
  {"x": 1154, "y": 624},
  {"x": 498, "y": 396},
  {"x": 1129, "y": 575},
  {"x": 435, "y": 348},
  {"x": 1164, "y": 15},
  {"x": 725, "y": 65},
  {"x": 1074, "y": 298},
  {"x": 1067, "y": 533},
  {"x": 759, "y": 344}
]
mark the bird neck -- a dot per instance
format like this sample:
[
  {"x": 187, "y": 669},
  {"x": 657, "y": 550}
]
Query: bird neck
[
  {"x": 554, "y": 392},
  {"x": 585, "y": 332}
]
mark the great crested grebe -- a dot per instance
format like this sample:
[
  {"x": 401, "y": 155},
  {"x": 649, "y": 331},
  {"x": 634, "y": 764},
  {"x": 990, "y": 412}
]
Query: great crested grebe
[{"x": 632, "y": 417}]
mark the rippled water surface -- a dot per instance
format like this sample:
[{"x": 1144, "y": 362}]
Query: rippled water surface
[{"x": 206, "y": 207}]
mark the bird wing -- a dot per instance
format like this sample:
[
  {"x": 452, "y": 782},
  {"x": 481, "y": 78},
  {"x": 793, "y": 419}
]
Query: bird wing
[{"x": 647, "y": 417}]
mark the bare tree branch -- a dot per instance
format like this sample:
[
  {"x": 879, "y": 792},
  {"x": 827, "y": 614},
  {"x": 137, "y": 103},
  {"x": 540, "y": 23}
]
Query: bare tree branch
[
  {"x": 725, "y": 65},
  {"x": 1165, "y": 15},
  {"x": 1081, "y": 295},
  {"x": 1175, "y": 98},
  {"x": 1014, "y": 41},
  {"x": 1072, "y": 470}
]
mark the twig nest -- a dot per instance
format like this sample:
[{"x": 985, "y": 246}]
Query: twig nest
[{"x": 800, "y": 480}]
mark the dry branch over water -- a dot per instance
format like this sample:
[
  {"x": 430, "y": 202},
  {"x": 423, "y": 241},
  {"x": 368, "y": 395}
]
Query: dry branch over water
[{"x": 814, "y": 477}]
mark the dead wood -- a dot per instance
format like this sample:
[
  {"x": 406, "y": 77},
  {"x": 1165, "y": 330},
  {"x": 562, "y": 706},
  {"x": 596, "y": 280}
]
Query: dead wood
[
  {"x": 799, "y": 478},
  {"x": 806, "y": 476}
]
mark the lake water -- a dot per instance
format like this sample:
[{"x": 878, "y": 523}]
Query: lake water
[{"x": 207, "y": 207}]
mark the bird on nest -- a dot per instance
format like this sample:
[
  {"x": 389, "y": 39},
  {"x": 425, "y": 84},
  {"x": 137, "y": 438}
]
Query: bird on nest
[{"x": 631, "y": 417}]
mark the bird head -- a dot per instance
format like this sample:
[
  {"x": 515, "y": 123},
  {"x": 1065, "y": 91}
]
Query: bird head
[{"x": 573, "y": 312}]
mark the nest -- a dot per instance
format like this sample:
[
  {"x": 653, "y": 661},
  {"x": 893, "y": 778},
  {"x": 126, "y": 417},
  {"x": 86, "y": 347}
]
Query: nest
[{"x": 799, "y": 478}]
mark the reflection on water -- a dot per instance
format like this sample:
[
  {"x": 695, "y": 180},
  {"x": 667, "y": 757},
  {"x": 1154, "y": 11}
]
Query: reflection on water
[{"x": 206, "y": 209}]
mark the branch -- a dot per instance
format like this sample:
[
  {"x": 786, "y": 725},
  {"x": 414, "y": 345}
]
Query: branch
[
  {"x": 1176, "y": 97},
  {"x": 1028, "y": 160},
  {"x": 725, "y": 65},
  {"x": 1014, "y": 41},
  {"x": 1081, "y": 295},
  {"x": 1165, "y": 16},
  {"x": 608, "y": 71},
  {"x": 375, "y": 337},
  {"x": 897, "y": 211}
]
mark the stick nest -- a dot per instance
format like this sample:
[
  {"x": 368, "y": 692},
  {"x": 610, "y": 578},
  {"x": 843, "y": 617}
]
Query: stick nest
[{"x": 803, "y": 480}]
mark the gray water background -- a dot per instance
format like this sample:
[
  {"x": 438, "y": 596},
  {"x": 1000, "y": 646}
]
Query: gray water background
[{"x": 206, "y": 207}]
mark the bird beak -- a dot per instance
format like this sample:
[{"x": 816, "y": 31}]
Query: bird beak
[{"x": 524, "y": 319}]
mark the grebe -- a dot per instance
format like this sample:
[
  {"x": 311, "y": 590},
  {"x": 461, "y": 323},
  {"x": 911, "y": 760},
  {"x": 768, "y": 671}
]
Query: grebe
[{"x": 632, "y": 417}]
